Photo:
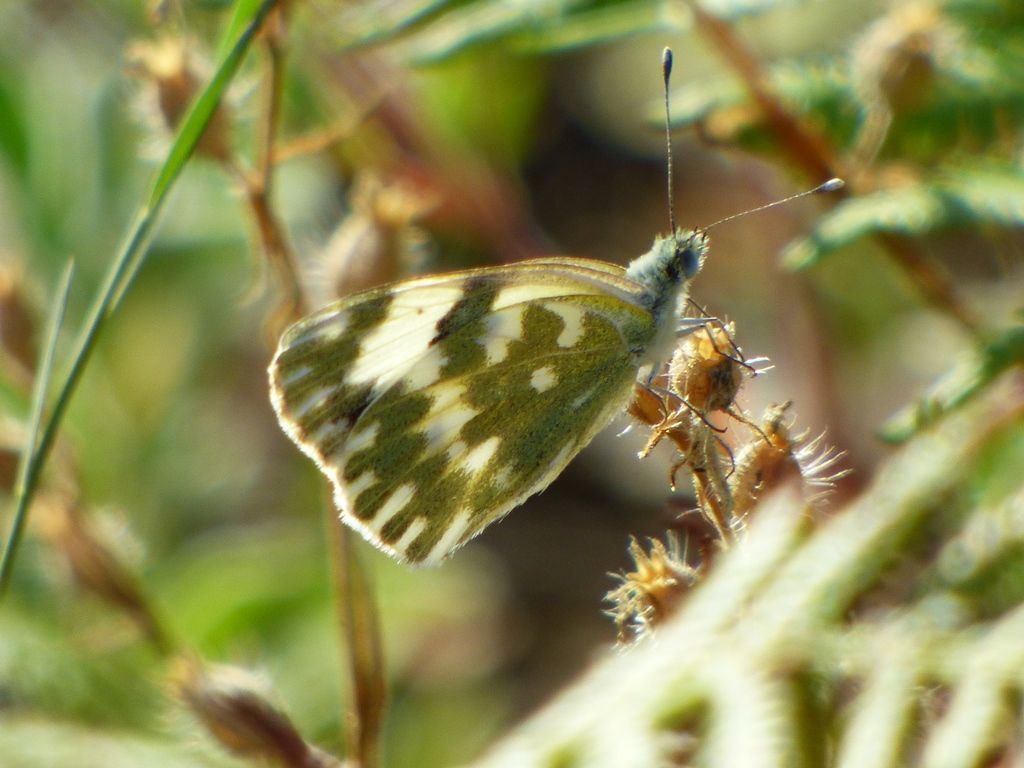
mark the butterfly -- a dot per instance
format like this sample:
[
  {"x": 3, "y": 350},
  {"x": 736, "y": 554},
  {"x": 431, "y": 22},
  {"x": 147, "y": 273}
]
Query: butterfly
[{"x": 436, "y": 405}]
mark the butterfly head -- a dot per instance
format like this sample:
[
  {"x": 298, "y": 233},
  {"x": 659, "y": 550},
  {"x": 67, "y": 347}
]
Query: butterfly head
[
  {"x": 689, "y": 251},
  {"x": 670, "y": 264}
]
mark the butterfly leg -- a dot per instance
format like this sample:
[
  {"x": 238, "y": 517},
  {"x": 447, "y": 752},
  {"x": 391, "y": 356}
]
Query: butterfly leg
[
  {"x": 688, "y": 325},
  {"x": 684, "y": 327}
]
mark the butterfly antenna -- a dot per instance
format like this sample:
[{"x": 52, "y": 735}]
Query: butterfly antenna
[
  {"x": 666, "y": 71},
  {"x": 829, "y": 186}
]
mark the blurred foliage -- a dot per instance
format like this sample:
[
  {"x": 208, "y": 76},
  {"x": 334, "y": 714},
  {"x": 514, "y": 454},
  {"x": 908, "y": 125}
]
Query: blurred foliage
[
  {"x": 769, "y": 664},
  {"x": 177, "y": 530}
]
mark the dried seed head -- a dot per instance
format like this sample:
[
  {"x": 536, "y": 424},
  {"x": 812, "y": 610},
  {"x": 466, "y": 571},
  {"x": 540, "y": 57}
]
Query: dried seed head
[
  {"x": 653, "y": 590},
  {"x": 775, "y": 454},
  {"x": 376, "y": 243},
  {"x": 900, "y": 54},
  {"x": 172, "y": 75},
  {"x": 12, "y": 440},
  {"x": 95, "y": 561},
  {"x": 895, "y": 66},
  {"x": 704, "y": 376},
  {"x": 17, "y": 321},
  {"x": 707, "y": 369},
  {"x": 763, "y": 461},
  {"x": 234, "y": 707}
]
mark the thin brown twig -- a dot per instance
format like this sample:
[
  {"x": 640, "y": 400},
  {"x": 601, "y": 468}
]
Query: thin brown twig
[
  {"x": 321, "y": 141},
  {"x": 809, "y": 149},
  {"x": 258, "y": 185},
  {"x": 355, "y": 602},
  {"x": 359, "y": 623}
]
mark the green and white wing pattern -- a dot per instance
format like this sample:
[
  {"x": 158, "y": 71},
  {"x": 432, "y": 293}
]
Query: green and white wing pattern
[{"x": 437, "y": 405}]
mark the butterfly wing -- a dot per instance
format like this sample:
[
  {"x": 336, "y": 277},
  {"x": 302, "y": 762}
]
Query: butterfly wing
[{"x": 437, "y": 405}]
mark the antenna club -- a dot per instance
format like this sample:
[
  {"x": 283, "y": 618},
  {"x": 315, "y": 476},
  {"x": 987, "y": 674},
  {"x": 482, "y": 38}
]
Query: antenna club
[
  {"x": 830, "y": 186},
  {"x": 666, "y": 63}
]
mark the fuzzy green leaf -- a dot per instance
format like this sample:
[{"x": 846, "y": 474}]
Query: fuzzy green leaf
[{"x": 956, "y": 387}]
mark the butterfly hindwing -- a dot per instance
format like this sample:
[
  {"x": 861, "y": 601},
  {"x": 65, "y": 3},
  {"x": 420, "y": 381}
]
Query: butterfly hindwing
[
  {"x": 437, "y": 405},
  {"x": 449, "y": 458}
]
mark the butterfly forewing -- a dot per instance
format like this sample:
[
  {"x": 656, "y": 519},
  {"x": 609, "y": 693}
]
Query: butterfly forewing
[{"x": 437, "y": 405}]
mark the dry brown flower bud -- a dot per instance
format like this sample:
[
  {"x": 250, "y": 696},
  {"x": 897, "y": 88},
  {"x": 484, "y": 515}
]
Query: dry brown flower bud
[
  {"x": 235, "y": 708},
  {"x": 707, "y": 369},
  {"x": 94, "y": 563},
  {"x": 376, "y": 243},
  {"x": 775, "y": 455},
  {"x": 653, "y": 590},
  {"x": 166, "y": 65},
  {"x": 17, "y": 322}
]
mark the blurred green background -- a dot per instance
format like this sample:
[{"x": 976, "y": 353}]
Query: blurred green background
[{"x": 515, "y": 130}]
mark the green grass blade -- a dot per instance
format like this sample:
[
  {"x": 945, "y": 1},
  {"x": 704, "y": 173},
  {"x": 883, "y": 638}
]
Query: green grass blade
[
  {"x": 30, "y": 462},
  {"x": 243, "y": 13},
  {"x": 126, "y": 264},
  {"x": 195, "y": 121}
]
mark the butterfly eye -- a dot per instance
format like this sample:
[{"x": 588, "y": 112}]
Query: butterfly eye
[{"x": 689, "y": 259}]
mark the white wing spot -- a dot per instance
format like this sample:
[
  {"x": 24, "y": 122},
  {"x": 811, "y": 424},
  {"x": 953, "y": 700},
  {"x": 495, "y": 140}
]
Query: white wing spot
[
  {"x": 447, "y": 415},
  {"x": 525, "y": 293},
  {"x": 477, "y": 458},
  {"x": 496, "y": 349},
  {"x": 286, "y": 380},
  {"x": 501, "y": 477},
  {"x": 443, "y": 427},
  {"x": 450, "y": 539},
  {"x": 362, "y": 437},
  {"x": 562, "y": 457},
  {"x": 415, "y": 529},
  {"x": 330, "y": 327},
  {"x": 426, "y": 371},
  {"x": 543, "y": 379},
  {"x": 455, "y": 450},
  {"x": 396, "y": 502},
  {"x": 360, "y": 484},
  {"x": 326, "y": 433},
  {"x": 445, "y": 395},
  {"x": 502, "y": 328},
  {"x": 573, "y": 319},
  {"x": 585, "y": 397},
  {"x": 402, "y": 336},
  {"x": 318, "y": 398}
]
